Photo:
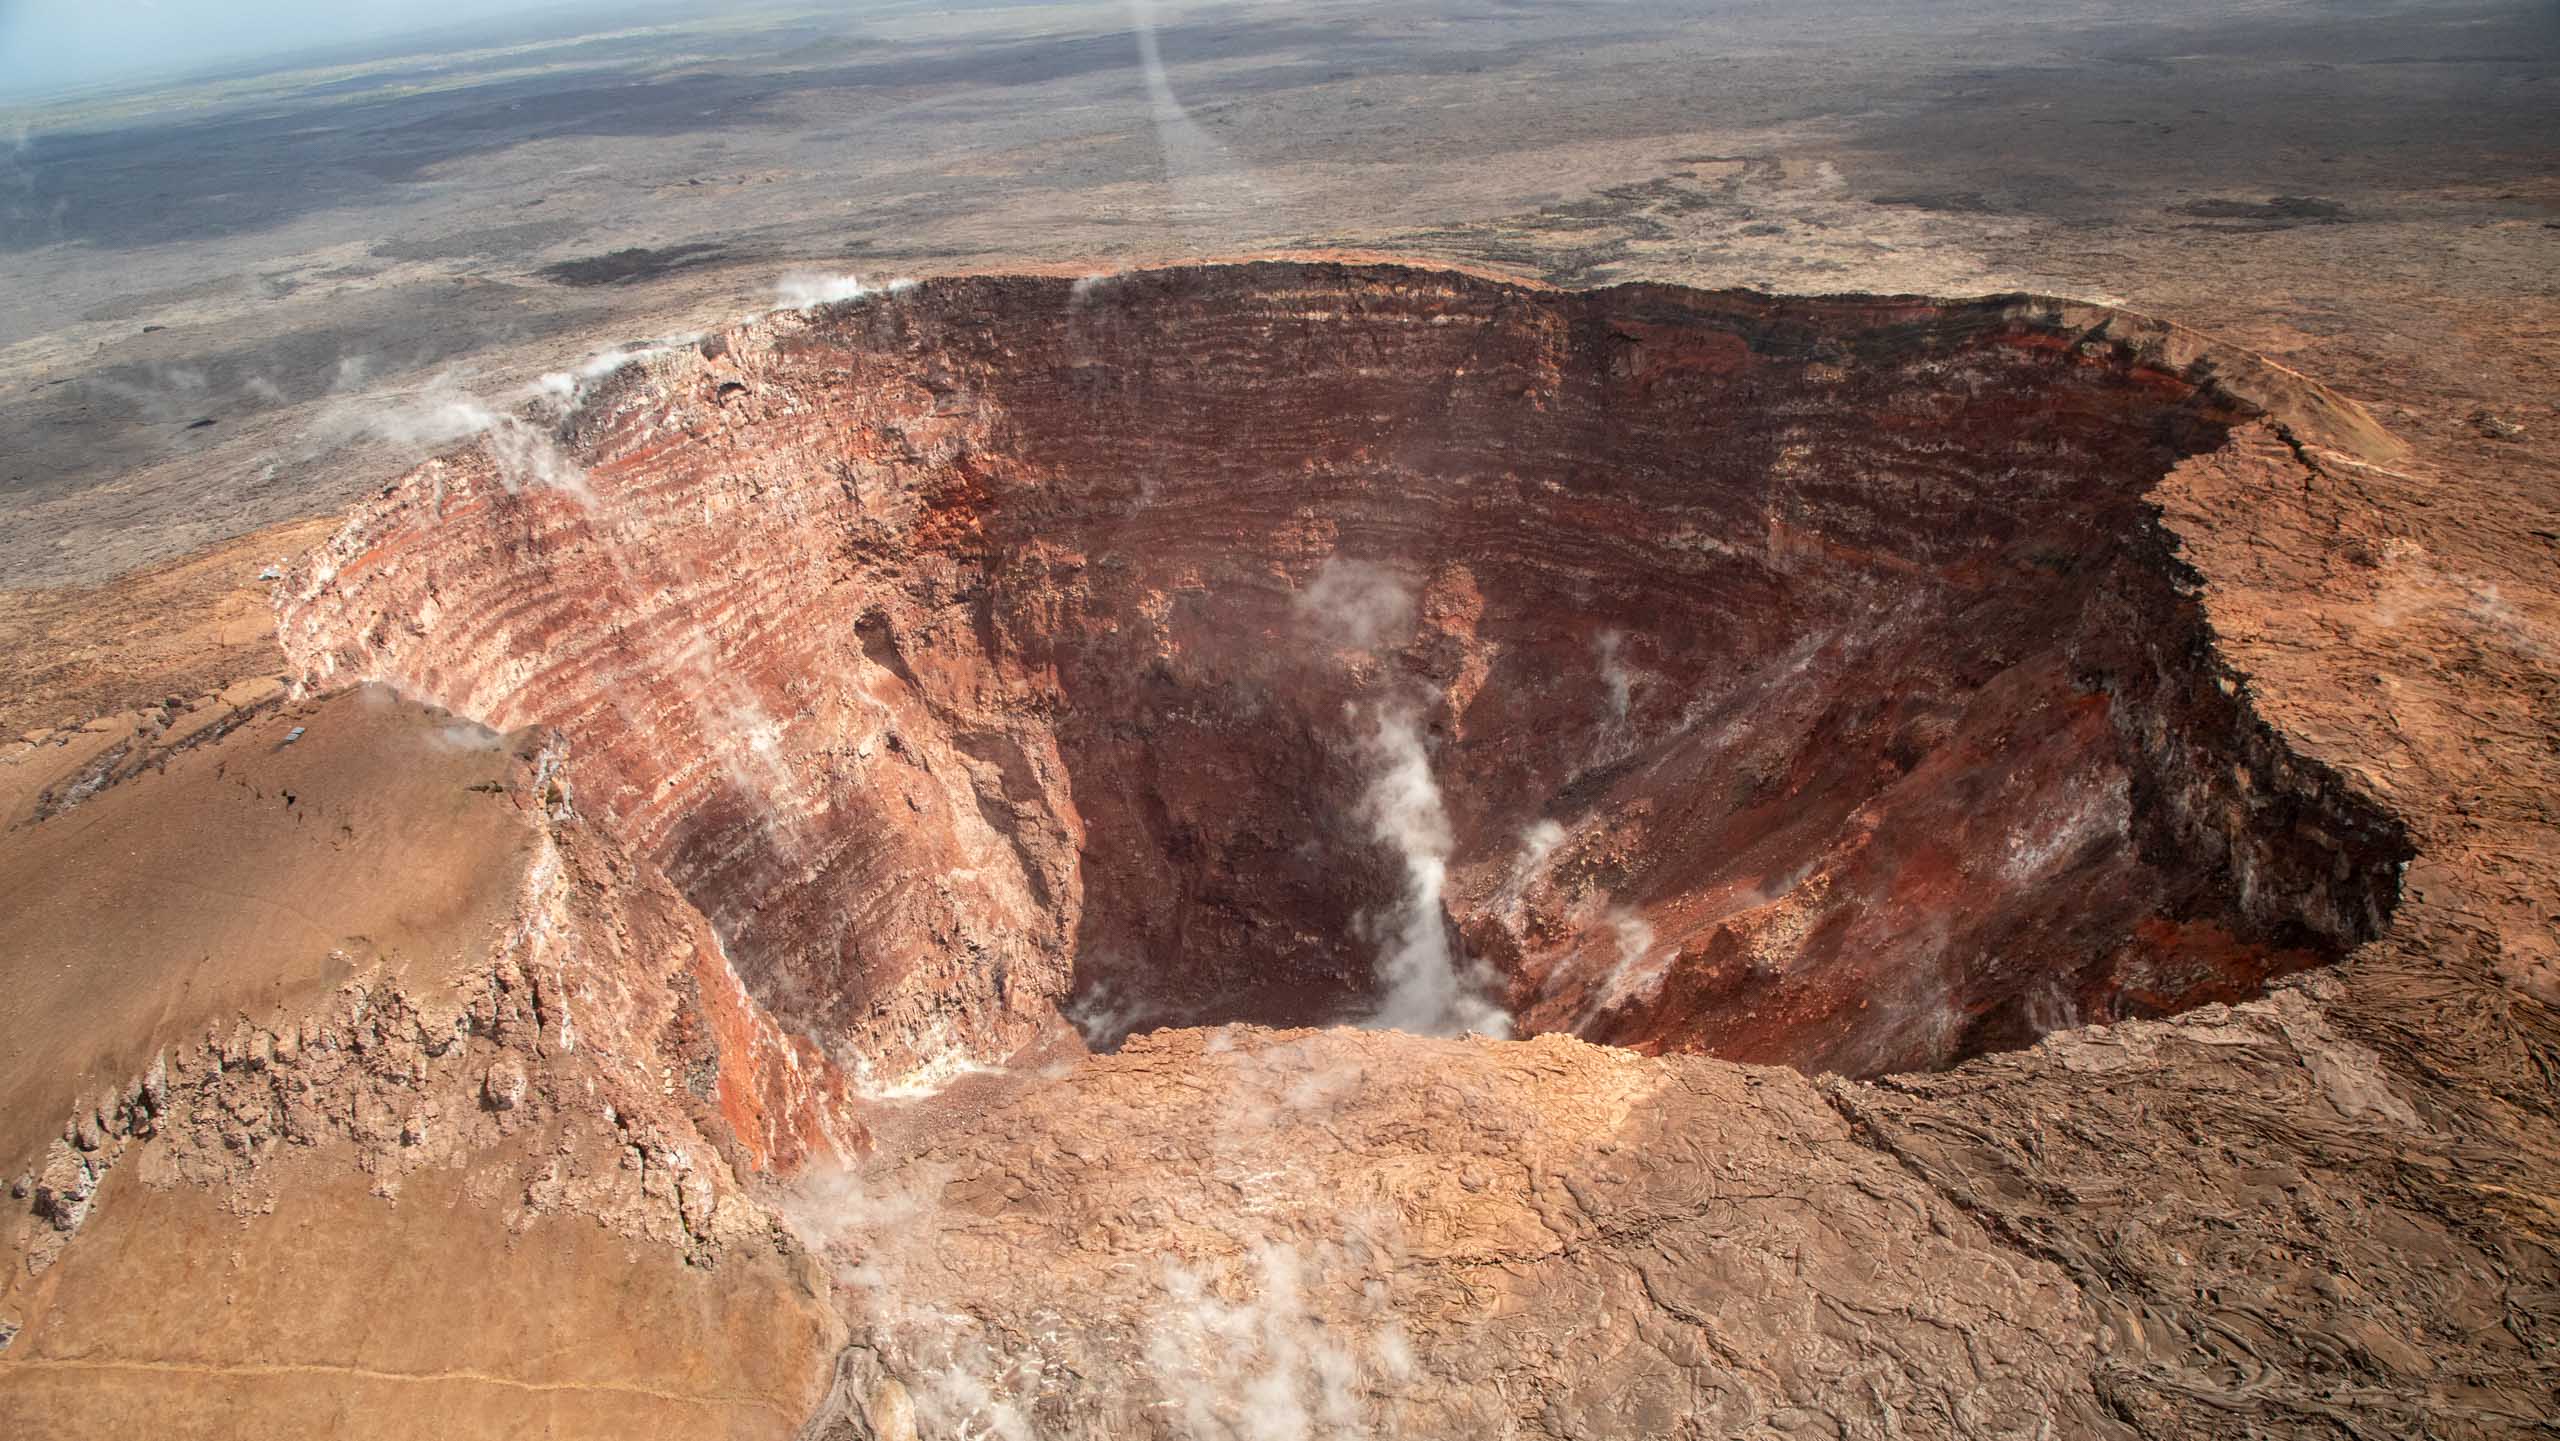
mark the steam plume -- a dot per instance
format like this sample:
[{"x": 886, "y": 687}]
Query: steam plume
[
  {"x": 1262, "y": 1368},
  {"x": 1262, "y": 1344},
  {"x": 1426, "y": 988},
  {"x": 1619, "y": 681},
  {"x": 1635, "y": 972},
  {"x": 519, "y": 438},
  {"x": 1356, "y": 604},
  {"x": 445, "y": 414},
  {"x": 805, "y": 289}
]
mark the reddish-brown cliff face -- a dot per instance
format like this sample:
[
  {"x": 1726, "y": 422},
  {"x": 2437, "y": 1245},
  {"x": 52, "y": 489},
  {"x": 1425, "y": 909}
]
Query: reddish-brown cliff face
[{"x": 1802, "y": 681}]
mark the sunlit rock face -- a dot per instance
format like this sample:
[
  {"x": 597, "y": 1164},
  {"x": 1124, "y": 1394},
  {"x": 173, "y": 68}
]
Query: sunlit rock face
[{"x": 1803, "y": 681}]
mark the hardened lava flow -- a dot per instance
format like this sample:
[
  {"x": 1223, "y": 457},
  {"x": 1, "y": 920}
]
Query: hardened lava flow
[{"x": 1796, "y": 681}]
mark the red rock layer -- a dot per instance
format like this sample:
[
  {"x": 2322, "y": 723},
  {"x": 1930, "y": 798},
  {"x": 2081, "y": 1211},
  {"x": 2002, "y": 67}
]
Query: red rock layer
[{"x": 1805, "y": 681}]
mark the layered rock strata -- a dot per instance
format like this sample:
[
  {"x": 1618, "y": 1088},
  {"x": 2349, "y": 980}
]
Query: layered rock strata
[{"x": 1799, "y": 681}]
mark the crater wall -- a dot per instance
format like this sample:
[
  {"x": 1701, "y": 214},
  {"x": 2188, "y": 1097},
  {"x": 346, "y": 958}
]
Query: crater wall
[{"x": 1804, "y": 681}]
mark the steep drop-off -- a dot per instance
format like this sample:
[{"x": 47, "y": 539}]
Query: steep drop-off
[{"x": 1802, "y": 681}]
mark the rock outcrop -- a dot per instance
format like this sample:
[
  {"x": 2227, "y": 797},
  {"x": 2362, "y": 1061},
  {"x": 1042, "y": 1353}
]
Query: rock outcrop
[
  {"x": 2232, "y": 1224},
  {"x": 346, "y": 996}
]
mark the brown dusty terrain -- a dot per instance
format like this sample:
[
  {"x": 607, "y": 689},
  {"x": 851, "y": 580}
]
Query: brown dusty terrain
[
  {"x": 292, "y": 1014},
  {"x": 549, "y": 1081},
  {"x": 126, "y": 918},
  {"x": 328, "y": 1311},
  {"x": 807, "y": 636},
  {"x": 180, "y": 630}
]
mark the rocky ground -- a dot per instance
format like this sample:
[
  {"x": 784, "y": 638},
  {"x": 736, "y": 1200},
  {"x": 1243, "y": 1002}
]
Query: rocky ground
[
  {"x": 2316, "y": 1209},
  {"x": 368, "y": 1080}
]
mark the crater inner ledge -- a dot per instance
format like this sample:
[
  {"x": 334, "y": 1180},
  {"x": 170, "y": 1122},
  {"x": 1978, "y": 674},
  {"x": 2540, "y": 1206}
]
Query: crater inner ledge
[{"x": 1803, "y": 681}]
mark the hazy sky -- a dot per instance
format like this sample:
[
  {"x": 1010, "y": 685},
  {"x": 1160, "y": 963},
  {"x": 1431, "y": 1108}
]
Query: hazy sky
[{"x": 53, "y": 44}]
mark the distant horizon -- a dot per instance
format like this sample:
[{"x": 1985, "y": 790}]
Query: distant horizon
[{"x": 62, "y": 49}]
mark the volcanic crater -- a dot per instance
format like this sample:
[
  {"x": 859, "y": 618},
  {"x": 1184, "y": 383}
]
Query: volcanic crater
[{"x": 1803, "y": 681}]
